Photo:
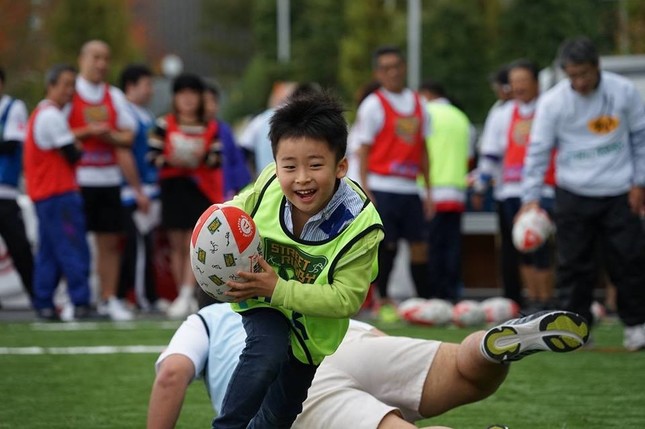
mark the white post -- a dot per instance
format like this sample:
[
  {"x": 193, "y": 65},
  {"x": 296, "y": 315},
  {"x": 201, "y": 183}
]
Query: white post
[
  {"x": 284, "y": 31},
  {"x": 414, "y": 43}
]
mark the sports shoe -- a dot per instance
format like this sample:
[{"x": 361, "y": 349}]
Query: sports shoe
[
  {"x": 634, "y": 338},
  {"x": 557, "y": 331},
  {"x": 47, "y": 315},
  {"x": 183, "y": 305},
  {"x": 115, "y": 310}
]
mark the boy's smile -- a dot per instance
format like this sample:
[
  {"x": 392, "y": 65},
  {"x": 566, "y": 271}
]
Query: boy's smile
[{"x": 307, "y": 171}]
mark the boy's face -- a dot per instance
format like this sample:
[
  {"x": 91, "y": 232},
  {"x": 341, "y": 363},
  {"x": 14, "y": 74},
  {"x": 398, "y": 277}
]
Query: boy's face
[{"x": 307, "y": 171}]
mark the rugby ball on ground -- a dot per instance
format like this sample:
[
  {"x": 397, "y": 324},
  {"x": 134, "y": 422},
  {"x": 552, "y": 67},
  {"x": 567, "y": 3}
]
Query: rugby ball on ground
[
  {"x": 500, "y": 309},
  {"x": 468, "y": 313},
  {"x": 531, "y": 229},
  {"x": 429, "y": 312},
  {"x": 224, "y": 241}
]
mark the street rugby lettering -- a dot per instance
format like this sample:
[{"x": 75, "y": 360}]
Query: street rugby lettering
[{"x": 292, "y": 263}]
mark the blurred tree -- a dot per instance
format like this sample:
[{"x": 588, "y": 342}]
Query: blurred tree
[
  {"x": 462, "y": 41},
  {"x": 635, "y": 10},
  {"x": 234, "y": 45},
  {"x": 315, "y": 31},
  {"x": 368, "y": 24},
  {"x": 74, "y": 22},
  {"x": 535, "y": 29},
  {"x": 454, "y": 50}
]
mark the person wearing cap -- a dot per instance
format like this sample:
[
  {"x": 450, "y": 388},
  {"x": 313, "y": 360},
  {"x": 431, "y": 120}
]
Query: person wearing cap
[
  {"x": 185, "y": 146},
  {"x": 100, "y": 118}
]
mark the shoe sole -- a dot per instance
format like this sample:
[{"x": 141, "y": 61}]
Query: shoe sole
[{"x": 559, "y": 332}]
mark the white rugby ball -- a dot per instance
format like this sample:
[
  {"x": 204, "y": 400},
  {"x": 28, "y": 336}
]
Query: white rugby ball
[
  {"x": 500, "y": 309},
  {"x": 531, "y": 229},
  {"x": 468, "y": 313},
  {"x": 224, "y": 241},
  {"x": 430, "y": 312}
]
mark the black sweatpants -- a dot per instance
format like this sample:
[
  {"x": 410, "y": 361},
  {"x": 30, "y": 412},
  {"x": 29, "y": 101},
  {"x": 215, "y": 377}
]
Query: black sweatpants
[
  {"x": 12, "y": 230},
  {"x": 581, "y": 221}
]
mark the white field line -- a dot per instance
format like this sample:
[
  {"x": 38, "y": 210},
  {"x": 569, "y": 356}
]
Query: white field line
[
  {"x": 100, "y": 326},
  {"x": 81, "y": 350}
]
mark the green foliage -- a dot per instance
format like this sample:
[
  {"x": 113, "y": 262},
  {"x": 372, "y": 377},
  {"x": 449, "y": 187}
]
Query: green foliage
[
  {"x": 457, "y": 59},
  {"x": 368, "y": 24},
  {"x": 250, "y": 94},
  {"x": 75, "y": 22},
  {"x": 535, "y": 29},
  {"x": 228, "y": 37},
  {"x": 315, "y": 25},
  {"x": 463, "y": 41}
]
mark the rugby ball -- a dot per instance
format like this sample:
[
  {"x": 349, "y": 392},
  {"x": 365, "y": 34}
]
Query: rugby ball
[
  {"x": 531, "y": 229},
  {"x": 468, "y": 313},
  {"x": 224, "y": 241},
  {"x": 429, "y": 312},
  {"x": 500, "y": 309}
]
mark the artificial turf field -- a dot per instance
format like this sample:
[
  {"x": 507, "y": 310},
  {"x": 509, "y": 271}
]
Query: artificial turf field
[{"x": 601, "y": 387}]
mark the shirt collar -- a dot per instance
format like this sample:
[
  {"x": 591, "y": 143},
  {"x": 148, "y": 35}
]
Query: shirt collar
[{"x": 336, "y": 199}]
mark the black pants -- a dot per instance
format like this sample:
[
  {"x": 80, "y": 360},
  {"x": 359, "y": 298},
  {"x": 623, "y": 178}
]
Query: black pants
[
  {"x": 509, "y": 257},
  {"x": 444, "y": 255},
  {"x": 137, "y": 263},
  {"x": 12, "y": 230},
  {"x": 581, "y": 223}
]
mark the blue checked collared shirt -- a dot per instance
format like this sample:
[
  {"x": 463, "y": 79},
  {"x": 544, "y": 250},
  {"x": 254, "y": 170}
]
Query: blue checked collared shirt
[{"x": 343, "y": 207}]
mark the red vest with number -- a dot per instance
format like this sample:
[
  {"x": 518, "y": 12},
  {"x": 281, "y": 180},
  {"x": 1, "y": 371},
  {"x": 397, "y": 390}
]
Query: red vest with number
[
  {"x": 47, "y": 173},
  {"x": 518, "y": 139},
  {"x": 210, "y": 181},
  {"x": 398, "y": 147},
  {"x": 96, "y": 153}
]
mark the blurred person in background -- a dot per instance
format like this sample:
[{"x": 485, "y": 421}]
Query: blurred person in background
[
  {"x": 449, "y": 150},
  {"x": 137, "y": 260},
  {"x": 13, "y": 123},
  {"x": 353, "y": 144},
  {"x": 186, "y": 148},
  {"x": 236, "y": 172},
  {"x": 254, "y": 139},
  {"x": 503, "y": 153},
  {"x": 596, "y": 121},
  {"x": 100, "y": 117},
  {"x": 509, "y": 265},
  {"x": 51, "y": 155},
  {"x": 391, "y": 126}
]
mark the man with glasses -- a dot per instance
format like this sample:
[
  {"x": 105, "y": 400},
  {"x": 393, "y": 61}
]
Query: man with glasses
[{"x": 596, "y": 121}]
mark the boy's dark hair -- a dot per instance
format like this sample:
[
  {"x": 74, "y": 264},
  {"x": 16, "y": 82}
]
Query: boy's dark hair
[
  {"x": 317, "y": 115},
  {"x": 132, "y": 73},
  {"x": 53, "y": 73},
  {"x": 578, "y": 50},
  {"x": 525, "y": 64},
  {"x": 2, "y": 75},
  {"x": 305, "y": 88},
  {"x": 385, "y": 50}
]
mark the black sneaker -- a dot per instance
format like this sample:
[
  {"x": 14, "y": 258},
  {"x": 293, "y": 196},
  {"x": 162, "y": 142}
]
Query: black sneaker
[
  {"x": 86, "y": 312},
  {"x": 557, "y": 331},
  {"x": 47, "y": 315}
]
